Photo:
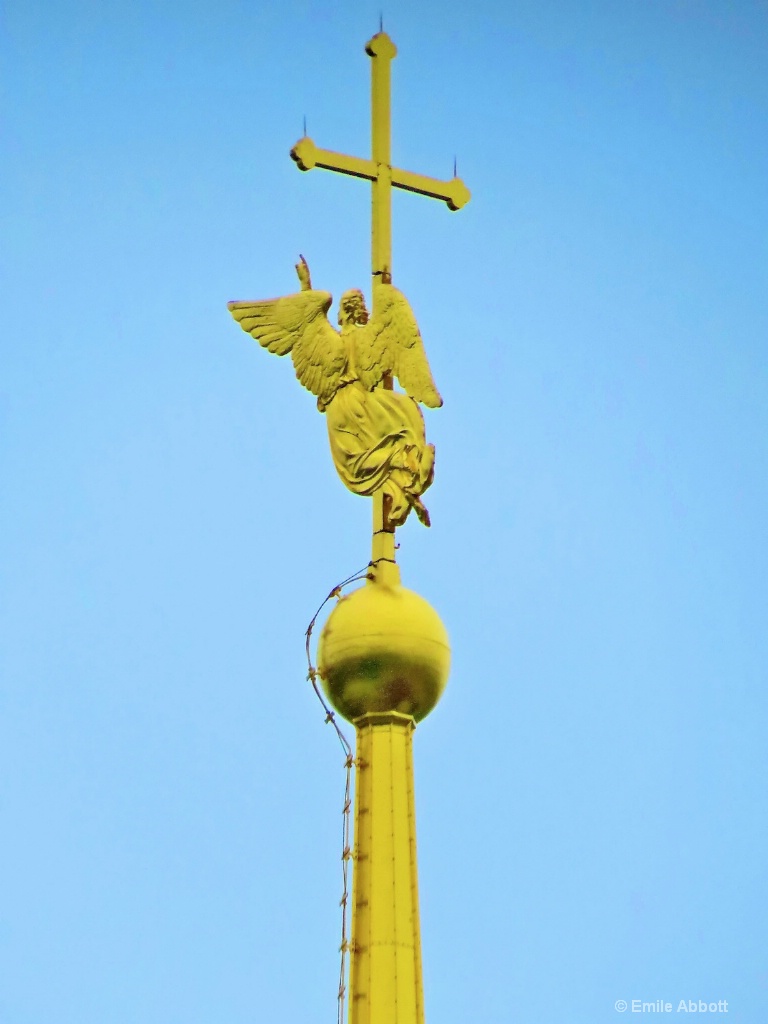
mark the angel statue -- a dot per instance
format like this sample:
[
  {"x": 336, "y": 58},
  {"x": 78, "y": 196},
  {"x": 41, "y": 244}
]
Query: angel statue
[{"x": 376, "y": 434}]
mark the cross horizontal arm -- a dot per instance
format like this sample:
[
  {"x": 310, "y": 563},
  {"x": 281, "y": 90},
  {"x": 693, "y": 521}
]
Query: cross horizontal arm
[
  {"x": 307, "y": 155},
  {"x": 454, "y": 192}
]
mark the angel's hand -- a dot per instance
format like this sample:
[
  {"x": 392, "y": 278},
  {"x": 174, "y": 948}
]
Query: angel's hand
[{"x": 302, "y": 269}]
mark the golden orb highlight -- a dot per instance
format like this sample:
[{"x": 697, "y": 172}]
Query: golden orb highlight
[{"x": 383, "y": 648}]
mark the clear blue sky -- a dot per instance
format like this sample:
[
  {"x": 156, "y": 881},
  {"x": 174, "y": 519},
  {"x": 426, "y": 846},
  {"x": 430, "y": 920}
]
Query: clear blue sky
[{"x": 592, "y": 788}]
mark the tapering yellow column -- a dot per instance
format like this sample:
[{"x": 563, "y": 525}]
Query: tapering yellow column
[
  {"x": 385, "y": 978},
  {"x": 383, "y": 658}
]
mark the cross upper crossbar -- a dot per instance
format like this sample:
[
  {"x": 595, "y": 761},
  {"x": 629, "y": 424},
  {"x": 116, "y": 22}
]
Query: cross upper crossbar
[{"x": 307, "y": 155}]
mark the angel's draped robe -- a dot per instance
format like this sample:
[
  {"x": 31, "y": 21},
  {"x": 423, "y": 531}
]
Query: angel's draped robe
[{"x": 377, "y": 440}]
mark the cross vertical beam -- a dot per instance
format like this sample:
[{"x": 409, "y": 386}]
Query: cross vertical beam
[{"x": 382, "y": 51}]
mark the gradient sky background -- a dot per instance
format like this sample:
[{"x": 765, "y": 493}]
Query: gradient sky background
[{"x": 592, "y": 789}]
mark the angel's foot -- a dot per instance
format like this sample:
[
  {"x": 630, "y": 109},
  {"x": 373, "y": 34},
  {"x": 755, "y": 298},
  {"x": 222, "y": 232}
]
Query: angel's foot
[{"x": 420, "y": 509}]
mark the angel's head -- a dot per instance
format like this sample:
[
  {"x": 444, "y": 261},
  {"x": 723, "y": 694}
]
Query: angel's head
[{"x": 352, "y": 309}]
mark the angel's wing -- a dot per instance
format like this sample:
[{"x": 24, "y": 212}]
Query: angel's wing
[
  {"x": 391, "y": 343},
  {"x": 298, "y": 324}
]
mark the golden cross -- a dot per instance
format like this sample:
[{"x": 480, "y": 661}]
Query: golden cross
[{"x": 383, "y": 177}]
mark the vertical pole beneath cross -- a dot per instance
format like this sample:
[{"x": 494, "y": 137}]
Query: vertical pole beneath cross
[
  {"x": 385, "y": 977},
  {"x": 382, "y": 51}
]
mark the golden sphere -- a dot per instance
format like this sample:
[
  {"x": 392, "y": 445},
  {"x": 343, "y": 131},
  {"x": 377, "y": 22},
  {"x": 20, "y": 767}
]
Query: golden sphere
[{"x": 383, "y": 648}]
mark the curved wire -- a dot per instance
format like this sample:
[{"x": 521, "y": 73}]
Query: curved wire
[{"x": 349, "y": 763}]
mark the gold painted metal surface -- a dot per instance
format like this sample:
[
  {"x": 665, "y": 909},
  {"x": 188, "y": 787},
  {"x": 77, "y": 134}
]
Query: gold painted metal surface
[
  {"x": 376, "y": 434},
  {"x": 383, "y": 660},
  {"x": 385, "y": 974},
  {"x": 383, "y": 177},
  {"x": 307, "y": 155},
  {"x": 383, "y": 648}
]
